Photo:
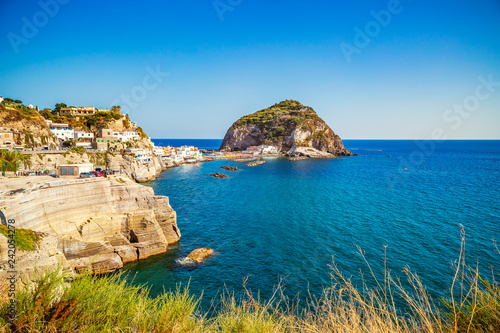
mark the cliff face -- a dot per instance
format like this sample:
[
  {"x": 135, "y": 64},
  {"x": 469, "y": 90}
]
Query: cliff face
[
  {"x": 31, "y": 126},
  {"x": 133, "y": 168},
  {"x": 290, "y": 126},
  {"x": 127, "y": 164},
  {"x": 100, "y": 223}
]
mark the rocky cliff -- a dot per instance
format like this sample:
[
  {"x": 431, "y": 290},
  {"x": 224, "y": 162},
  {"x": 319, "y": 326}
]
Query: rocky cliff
[
  {"x": 293, "y": 128},
  {"x": 30, "y": 128},
  {"x": 125, "y": 163},
  {"x": 98, "y": 223}
]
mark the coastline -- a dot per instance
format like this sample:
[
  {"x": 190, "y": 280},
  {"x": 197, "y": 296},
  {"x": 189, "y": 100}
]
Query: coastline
[{"x": 97, "y": 224}]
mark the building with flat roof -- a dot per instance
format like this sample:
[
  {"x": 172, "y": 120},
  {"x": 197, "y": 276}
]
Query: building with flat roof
[
  {"x": 78, "y": 111},
  {"x": 62, "y": 131},
  {"x": 125, "y": 136},
  {"x": 105, "y": 140},
  {"x": 83, "y": 135},
  {"x": 73, "y": 169}
]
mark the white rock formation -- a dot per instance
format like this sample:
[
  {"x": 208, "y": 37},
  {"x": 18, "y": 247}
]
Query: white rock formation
[{"x": 101, "y": 222}]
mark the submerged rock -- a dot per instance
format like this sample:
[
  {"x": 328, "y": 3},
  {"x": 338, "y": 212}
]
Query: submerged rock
[{"x": 199, "y": 255}]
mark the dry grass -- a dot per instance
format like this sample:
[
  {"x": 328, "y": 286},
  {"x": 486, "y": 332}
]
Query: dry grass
[{"x": 108, "y": 304}]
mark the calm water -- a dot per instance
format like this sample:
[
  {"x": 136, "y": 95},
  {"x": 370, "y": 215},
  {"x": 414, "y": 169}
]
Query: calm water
[
  {"x": 200, "y": 143},
  {"x": 286, "y": 220}
]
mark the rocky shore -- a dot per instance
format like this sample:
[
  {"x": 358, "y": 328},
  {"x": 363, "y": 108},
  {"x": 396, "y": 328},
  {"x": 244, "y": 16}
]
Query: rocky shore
[{"x": 97, "y": 223}]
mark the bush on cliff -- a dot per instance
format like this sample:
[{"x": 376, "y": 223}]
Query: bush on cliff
[{"x": 25, "y": 239}]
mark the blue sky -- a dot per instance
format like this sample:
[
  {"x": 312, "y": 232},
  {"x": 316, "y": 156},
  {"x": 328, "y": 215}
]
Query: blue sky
[{"x": 419, "y": 69}]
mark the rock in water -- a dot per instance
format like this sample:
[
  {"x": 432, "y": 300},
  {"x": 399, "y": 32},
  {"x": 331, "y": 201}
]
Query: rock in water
[
  {"x": 229, "y": 168},
  {"x": 291, "y": 127},
  {"x": 199, "y": 255},
  {"x": 218, "y": 175}
]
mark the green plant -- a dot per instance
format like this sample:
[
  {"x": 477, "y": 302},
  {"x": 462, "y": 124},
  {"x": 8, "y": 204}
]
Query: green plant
[
  {"x": 48, "y": 303},
  {"x": 24, "y": 239},
  {"x": 100, "y": 304},
  {"x": 13, "y": 159}
]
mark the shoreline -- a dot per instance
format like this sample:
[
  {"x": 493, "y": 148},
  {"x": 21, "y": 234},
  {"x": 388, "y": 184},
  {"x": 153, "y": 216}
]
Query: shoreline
[{"x": 98, "y": 224}]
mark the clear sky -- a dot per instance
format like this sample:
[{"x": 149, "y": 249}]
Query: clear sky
[{"x": 190, "y": 68}]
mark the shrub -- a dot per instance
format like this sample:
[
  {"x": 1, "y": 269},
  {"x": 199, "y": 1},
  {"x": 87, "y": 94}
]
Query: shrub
[
  {"x": 110, "y": 304},
  {"x": 25, "y": 239}
]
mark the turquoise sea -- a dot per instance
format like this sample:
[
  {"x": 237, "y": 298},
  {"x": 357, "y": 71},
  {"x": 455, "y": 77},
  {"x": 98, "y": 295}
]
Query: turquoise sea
[{"x": 285, "y": 221}]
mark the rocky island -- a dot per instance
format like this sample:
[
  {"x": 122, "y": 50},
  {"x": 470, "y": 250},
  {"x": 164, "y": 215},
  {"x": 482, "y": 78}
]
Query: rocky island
[{"x": 294, "y": 129}]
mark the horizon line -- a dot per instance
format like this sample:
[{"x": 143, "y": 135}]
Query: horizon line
[{"x": 371, "y": 139}]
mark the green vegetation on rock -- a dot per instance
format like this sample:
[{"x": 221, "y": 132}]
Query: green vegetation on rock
[
  {"x": 293, "y": 110},
  {"x": 25, "y": 239}
]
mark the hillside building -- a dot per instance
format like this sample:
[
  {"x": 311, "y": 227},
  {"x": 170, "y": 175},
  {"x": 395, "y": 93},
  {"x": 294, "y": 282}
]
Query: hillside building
[
  {"x": 78, "y": 111},
  {"x": 62, "y": 131}
]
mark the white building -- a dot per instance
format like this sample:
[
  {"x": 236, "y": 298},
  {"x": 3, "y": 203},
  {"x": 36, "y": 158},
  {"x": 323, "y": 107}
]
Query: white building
[
  {"x": 172, "y": 158},
  {"x": 189, "y": 152},
  {"x": 125, "y": 136},
  {"x": 62, "y": 131},
  {"x": 265, "y": 150},
  {"x": 143, "y": 155},
  {"x": 83, "y": 135},
  {"x": 78, "y": 111},
  {"x": 1, "y": 99},
  {"x": 159, "y": 151}
]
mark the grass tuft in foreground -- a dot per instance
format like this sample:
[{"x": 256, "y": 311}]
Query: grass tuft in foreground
[{"x": 50, "y": 303}]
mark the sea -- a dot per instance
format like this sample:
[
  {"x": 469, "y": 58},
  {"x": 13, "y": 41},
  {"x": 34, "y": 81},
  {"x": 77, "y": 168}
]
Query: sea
[{"x": 400, "y": 204}]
